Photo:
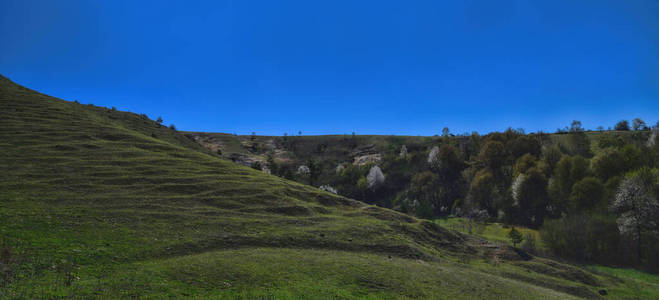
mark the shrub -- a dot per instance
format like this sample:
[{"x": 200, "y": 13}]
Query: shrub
[
  {"x": 610, "y": 139},
  {"x": 551, "y": 156},
  {"x": 586, "y": 194},
  {"x": 592, "y": 238},
  {"x": 529, "y": 243},
  {"x": 639, "y": 124},
  {"x": 608, "y": 163},
  {"x": 622, "y": 125},
  {"x": 515, "y": 236},
  {"x": 480, "y": 190},
  {"x": 493, "y": 154},
  {"x": 257, "y": 165}
]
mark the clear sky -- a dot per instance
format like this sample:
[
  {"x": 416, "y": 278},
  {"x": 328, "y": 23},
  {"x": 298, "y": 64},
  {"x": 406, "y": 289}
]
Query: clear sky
[{"x": 323, "y": 67}]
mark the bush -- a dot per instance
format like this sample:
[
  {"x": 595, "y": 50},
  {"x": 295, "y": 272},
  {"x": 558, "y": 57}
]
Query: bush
[
  {"x": 610, "y": 139},
  {"x": 639, "y": 124},
  {"x": 584, "y": 238},
  {"x": 622, "y": 125},
  {"x": 586, "y": 194},
  {"x": 565, "y": 237},
  {"x": 608, "y": 163},
  {"x": 515, "y": 236},
  {"x": 493, "y": 154},
  {"x": 529, "y": 243},
  {"x": 257, "y": 165}
]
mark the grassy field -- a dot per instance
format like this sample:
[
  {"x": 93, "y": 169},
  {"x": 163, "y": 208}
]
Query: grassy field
[
  {"x": 99, "y": 203},
  {"x": 495, "y": 232}
]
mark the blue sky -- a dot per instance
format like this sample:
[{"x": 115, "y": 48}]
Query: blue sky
[{"x": 323, "y": 67}]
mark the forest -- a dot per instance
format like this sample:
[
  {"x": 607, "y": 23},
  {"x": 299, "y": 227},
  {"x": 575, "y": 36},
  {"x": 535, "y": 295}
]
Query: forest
[{"x": 591, "y": 193}]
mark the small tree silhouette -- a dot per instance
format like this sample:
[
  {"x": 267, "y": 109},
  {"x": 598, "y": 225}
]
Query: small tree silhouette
[{"x": 515, "y": 236}]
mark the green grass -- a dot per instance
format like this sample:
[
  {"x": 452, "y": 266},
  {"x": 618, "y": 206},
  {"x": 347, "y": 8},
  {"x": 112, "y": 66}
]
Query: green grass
[
  {"x": 637, "y": 284},
  {"x": 99, "y": 203},
  {"x": 495, "y": 232}
]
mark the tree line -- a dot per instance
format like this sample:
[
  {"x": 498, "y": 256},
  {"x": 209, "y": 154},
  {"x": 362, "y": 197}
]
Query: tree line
[{"x": 592, "y": 194}]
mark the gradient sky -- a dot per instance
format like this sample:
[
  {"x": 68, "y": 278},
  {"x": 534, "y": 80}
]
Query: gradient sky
[{"x": 323, "y": 67}]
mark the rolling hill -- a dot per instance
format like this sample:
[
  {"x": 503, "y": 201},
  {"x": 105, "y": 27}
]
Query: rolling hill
[{"x": 96, "y": 202}]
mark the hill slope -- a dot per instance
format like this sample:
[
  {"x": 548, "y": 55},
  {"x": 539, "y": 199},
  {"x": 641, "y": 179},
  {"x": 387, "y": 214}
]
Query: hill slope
[{"x": 96, "y": 202}]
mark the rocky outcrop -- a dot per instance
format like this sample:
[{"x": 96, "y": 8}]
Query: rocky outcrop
[{"x": 365, "y": 155}]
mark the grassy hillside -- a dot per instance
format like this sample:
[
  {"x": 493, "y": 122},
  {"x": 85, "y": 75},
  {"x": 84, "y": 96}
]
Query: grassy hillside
[{"x": 96, "y": 202}]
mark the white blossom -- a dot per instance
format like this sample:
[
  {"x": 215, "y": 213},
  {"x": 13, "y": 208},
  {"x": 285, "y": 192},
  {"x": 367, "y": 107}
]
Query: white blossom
[
  {"x": 433, "y": 156},
  {"x": 303, "y": 170},
  {"x": 415, "y": 204},
  {"x": 500, "y": 214},
  {"x": 653, "y": 138},
  {"x": 374, "y": 177},
  {"x": 479, "y": 214},
  {"x": 403, "y": 151},
  {"x": 339, "y": 169},
  {"x": 328, "y": 188},
  {"x": 636, "y": 207},
  {"x": 516, "y": 188}
]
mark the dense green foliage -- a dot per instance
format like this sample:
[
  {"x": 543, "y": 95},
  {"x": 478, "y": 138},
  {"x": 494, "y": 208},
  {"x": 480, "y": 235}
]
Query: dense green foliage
[
  {"x": 512, "y": 177},
  {"x": 515, "y": 236}
]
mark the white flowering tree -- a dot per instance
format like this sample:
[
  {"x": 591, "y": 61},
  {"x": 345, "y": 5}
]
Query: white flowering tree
[
  {"x": 516, "y": 188},
  {"x": 433, "y": 157},
  {"x": 652, "y": 140},
  {"x": 303, "y": 170},
  {"x": 637, "y": 207},
  {"x": 339, "y": 169},
  {"x": 403, "y": 151},
  {"x": 375, "y": 177},
  {"x": 328, "y": 188}
]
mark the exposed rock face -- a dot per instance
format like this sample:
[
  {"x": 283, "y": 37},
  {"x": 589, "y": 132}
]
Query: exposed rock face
[
  {"x": 366, "y": 154},
  {"x": 366, "y": 159},
  {"x": 207, "y": 142},
  {"x": 241, "y": 159}
]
